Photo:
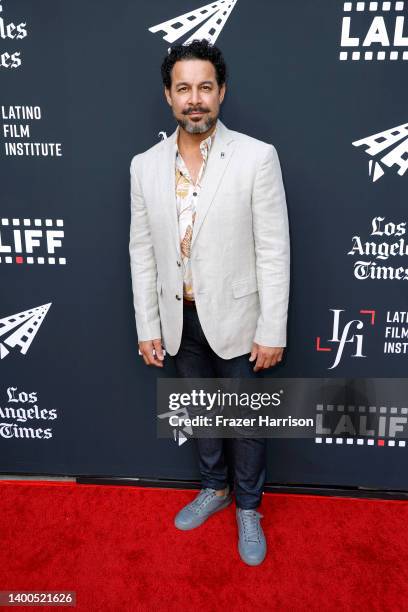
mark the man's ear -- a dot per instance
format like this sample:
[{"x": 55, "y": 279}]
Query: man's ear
[
  {"x": 223, "y": 89},
  {"x": 167, "y": 95}
]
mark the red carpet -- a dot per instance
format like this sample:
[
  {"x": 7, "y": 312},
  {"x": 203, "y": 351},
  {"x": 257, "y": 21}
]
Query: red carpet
[{"x": 117, "y": 548}]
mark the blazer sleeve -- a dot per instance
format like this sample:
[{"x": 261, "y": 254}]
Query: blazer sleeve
[
  {"x": 142, "y": 262},
  {"x": 272, "y": 250}
]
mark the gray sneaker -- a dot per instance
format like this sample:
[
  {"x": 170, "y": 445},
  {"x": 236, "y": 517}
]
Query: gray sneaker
[
  {"x": 251, "y": 543},
  {"x": 202, "y": 507}
]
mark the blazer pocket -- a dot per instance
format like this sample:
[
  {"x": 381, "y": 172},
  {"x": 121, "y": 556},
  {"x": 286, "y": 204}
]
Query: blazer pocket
[
  {"x": 159, "y": 287},
  {"x": 244, "y": 287}
]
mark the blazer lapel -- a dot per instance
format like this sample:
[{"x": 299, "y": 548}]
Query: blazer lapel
[
  {"x": 219, "y": 157},
  {"x": 167, "y": 160}
]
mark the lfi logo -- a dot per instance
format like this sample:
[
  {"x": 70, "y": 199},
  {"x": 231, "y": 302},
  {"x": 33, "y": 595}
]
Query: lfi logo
[{"x": 345, "y": 333}]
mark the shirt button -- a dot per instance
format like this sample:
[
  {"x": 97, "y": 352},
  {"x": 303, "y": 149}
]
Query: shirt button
[
  {"x": 194, "y": 193},
  {"x": 179, "y": 263}
]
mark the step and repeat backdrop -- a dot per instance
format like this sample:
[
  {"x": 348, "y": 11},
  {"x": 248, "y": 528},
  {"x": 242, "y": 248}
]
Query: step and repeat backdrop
[{"x": 80, "y": 95}]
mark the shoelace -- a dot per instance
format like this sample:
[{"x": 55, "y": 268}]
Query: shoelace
[
  {"x": 250, "y": 521},
  {"x": 202, "y": 499}
]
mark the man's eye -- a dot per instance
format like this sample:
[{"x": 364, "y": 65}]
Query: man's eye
[{"x": 182, "y": 88}]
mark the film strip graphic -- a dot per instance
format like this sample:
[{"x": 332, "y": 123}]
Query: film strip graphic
[
  {"x": 381, "y": 413},
  {"x": 386, "y": 9},
  {"x": 395, "y": 139},
  {"x": 374, "y": 6},
  {"x": 214, "y": 15},
  {"x": 28, "y": 323},
  {"x": 28, "y": 223}
]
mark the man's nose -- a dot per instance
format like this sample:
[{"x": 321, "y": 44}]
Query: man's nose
[{"x": 195, "y": 96}]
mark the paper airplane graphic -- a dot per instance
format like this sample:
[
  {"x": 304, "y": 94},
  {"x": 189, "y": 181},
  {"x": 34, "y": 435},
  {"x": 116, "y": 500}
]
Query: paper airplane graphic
[
  {"x": 213, "y": 15},
  {"x": 394, "y": 139},
  {"x": 25, "y": 325},
  {"x": 180, "y": 434}
]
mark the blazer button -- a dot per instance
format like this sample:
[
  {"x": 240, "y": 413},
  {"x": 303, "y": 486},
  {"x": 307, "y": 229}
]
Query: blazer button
[{"x": 178, "y": 297}]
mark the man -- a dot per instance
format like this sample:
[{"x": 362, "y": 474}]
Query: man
[{"x": 209, "y": 251}]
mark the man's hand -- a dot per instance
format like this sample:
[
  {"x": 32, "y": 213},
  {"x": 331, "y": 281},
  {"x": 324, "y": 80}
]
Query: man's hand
[
  {"x": 266, "y": 356},
  {"x": 146, "y": 348}
]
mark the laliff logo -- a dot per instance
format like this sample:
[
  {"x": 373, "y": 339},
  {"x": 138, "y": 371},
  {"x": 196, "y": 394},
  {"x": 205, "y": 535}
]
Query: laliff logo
[
  {"x": 25, "y": 325},
  {"x": 213, "y": 15},
  {"x": 396, "y": 140},
  {"x": 376, "y": 426},
  {"x": 20, "y": 237},
  {"x": 344, "y": 334},
  {"x": 368, "y": 26}
]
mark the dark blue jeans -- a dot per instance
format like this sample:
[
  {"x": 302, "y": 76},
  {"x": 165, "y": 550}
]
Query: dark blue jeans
[{"x": 196, "y": 359}]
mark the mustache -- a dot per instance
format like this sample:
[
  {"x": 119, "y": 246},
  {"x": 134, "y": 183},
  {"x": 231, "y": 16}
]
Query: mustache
[{"x": 188, "y": 111}]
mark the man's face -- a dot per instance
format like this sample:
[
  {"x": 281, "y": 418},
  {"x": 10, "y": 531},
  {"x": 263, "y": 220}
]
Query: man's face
[{"x": 194, "y": 95}]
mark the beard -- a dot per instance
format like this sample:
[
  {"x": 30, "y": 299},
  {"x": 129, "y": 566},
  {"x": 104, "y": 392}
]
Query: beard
[{"x": 198, "y": 127}]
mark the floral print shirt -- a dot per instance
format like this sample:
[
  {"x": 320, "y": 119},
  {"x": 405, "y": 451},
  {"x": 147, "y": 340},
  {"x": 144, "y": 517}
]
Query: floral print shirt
[{"x": 187, "y": 199}]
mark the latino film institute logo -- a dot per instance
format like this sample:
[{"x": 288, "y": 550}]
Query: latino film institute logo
[
  {"x": 374, "y": 31},
  {"x": 19, "y": 330},
  {"x": 344, "y": 334},
  {"x": 213, "y": 18},
  {"x": 386, "y": 149}
]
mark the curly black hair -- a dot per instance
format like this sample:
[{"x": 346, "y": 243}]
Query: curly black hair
[{"x": 196, "y": 49}]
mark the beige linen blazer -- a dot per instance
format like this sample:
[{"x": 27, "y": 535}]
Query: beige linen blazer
[{"x": 240, "y": 252}]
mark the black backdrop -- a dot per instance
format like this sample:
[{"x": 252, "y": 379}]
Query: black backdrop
[{"x": 93, "y": 69}]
